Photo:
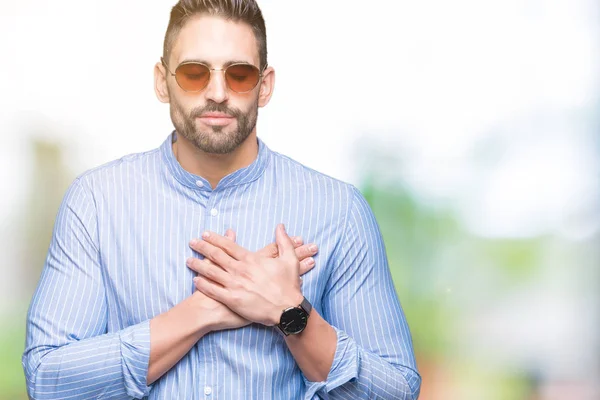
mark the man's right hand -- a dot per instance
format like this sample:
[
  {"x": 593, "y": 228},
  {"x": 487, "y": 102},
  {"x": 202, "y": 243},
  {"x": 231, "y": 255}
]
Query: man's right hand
[{"x": 221, "y": 316}]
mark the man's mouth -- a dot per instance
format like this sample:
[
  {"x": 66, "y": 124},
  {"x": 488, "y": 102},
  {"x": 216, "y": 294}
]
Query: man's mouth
[{"x": 216, "y": 119}]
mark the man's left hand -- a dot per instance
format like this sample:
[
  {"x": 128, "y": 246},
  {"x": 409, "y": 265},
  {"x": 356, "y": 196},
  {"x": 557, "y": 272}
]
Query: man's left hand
[{"x": 256, "y": 287}]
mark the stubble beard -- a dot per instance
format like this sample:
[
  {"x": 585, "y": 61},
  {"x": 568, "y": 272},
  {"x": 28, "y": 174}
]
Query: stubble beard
[{"x": 214, "y": 139}]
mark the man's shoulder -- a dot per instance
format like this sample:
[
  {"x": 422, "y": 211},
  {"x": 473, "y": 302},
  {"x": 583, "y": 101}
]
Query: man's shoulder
[
  {"x": 332, "y": 191},
  {"x": 124, "y": 168},
  {"x": 309, "y": 175}
]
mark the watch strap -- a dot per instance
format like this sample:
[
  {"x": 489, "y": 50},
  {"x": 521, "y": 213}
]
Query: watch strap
[{"x": 306, "y": 306}]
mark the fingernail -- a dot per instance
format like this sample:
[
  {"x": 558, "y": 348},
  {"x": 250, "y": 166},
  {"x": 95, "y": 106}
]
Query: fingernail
[
  {"x": 313, "y": 247},
  {"x": 194, "y": 242},
  {"x": 298, "y": 240},
  {"x": 206, "y": 235},
  {"x": 310, "y": 261},
  {"x": 189, "y": 261}
]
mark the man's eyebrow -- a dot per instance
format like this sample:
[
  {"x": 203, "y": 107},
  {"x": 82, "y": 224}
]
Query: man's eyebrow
[{"x": 227, "y": 64}]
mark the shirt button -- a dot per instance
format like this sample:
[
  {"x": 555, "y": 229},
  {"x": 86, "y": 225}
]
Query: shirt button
[
  {"x": 214, "y": 212},
  {"x": 207, "y": 390},
  {"x": 199, "y": 183}
]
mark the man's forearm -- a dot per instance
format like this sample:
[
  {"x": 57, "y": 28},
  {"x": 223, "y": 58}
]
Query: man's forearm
[
  {"x": 314, "y": 348},
  {"x": 172, "y": 335},
  {"x": 118, "y": 363},
  {"x": 112, "y": 364}
]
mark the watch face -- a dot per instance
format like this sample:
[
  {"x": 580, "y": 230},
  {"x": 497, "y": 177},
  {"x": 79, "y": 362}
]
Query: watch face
[{"x": 293, "y": 320}]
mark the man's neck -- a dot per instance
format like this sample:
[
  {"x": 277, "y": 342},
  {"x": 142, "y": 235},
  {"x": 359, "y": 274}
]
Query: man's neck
[{"x": 214, "y": 167}]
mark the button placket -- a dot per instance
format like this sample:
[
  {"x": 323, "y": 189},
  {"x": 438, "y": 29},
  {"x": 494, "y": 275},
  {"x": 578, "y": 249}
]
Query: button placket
[
  {"x": 203, "y": 347},
  {"x": 212, "y": 210},
  {"x": 210, "y": 224}
]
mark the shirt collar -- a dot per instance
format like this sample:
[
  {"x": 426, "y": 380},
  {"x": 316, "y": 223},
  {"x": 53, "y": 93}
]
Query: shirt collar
[{"x": 196, "y": 182}]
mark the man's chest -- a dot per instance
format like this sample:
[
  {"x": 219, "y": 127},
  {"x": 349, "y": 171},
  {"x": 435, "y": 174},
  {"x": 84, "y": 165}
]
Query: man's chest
[{"x": 144, "y": 247}]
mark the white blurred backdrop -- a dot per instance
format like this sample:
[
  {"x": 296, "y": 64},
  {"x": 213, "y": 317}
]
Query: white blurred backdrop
[{"x": 489, "y": 109}]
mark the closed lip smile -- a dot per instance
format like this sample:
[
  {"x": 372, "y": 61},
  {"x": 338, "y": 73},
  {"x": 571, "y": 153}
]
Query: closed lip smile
[{"x": 215, "y": 118}]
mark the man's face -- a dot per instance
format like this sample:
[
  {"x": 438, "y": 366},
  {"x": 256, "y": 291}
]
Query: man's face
[{"x": 215, "y": 120}]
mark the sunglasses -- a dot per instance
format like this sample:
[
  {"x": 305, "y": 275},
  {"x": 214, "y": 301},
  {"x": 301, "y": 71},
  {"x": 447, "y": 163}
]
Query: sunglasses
[{"x": 194, "y": 76}]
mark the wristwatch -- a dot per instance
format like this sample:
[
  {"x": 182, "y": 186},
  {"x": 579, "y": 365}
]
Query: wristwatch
[{"x": 294, "y": 319}]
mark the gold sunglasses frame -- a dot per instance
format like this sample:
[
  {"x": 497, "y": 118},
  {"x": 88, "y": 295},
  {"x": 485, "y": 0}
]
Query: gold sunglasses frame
[{"x": 210, "y": 71}]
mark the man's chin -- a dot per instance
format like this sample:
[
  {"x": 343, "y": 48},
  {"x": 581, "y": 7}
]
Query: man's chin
[{"x": 216, "y": 144}]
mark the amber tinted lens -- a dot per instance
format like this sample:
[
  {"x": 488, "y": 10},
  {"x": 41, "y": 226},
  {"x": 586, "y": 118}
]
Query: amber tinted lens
[
  {"x": 192, "y": 77},
  {"x": 242, "y": 77}
]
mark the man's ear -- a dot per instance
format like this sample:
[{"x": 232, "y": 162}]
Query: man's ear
[
  {"x": 160, "y": 83},
  {"x": 267, "y": 85}
]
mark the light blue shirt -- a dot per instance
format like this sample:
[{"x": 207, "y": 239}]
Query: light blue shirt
[{"x": 117, "y": 259}]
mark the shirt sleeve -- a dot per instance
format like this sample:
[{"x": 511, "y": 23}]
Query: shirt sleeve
[
  {"x": 374, "y": 357},
  {"x": 68, "y": 352}
]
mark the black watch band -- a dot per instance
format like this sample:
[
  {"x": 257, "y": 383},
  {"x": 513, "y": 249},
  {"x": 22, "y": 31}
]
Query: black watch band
[
  {"x": 306, "y": 306},
  {"x": 294, "y": 319}
]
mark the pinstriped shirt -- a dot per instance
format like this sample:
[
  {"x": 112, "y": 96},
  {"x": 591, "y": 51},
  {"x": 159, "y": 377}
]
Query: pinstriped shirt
[{"x": 117, "y": 259}]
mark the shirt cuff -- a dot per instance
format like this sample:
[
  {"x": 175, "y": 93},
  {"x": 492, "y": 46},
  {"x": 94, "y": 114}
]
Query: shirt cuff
[
  {"x": 135, "y": 356},
  {"x": 345, "y": 366}
]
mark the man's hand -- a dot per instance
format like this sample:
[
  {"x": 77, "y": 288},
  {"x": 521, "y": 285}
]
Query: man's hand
[
  {"x": 222, "y": 316},
  {"x": 254, "y": 286}
]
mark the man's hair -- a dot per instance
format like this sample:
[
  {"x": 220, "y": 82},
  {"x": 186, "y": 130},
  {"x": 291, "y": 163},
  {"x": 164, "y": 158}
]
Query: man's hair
[{"x": 246, "y": 11}]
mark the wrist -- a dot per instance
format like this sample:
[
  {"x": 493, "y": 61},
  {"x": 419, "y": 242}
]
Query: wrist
[
  {"x": 205, "y": 322},
  {"x": 290, "y": 301},
  {"x": 293, "y": 300}
]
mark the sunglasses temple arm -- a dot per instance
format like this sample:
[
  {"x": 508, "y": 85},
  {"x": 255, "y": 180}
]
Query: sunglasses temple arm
[{"x": 162, "y": 60}]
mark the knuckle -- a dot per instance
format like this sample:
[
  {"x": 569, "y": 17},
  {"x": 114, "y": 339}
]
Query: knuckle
[
  {"x": 274, "y": 251},
  {"x": 237, "y": 284},
  {"x": 196, "y": 265},
  {"x": 207, "y": 261},
  {"x": 245, "y": 274},
  {"x": 225, "y": 245},
  {"x": 215, "y": 254},
  {"x": 209, "y": 253},
  {"x": 302, "y": 252},
  {"x": 235, "y": 297},
  {"x": 201, "y": 284},
  {"x": 230, "y": 265},
  {"x": 200, "y": 246},
  {"x": 198, "y": 283},
  {"x": 192, "y": 263},
  {"x": 209, "y": 273},
  {"x": 208, "y": 289}
]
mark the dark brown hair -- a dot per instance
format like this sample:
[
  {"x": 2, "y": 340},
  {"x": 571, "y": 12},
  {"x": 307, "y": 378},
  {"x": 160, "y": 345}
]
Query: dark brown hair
[{"x": 246, "y": 11}]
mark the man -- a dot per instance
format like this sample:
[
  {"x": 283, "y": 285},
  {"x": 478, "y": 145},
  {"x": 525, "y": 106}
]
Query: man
[{"x": 142, "y": 296}]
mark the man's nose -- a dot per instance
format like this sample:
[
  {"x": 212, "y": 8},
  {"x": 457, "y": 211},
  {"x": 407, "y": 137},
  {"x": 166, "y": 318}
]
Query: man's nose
[{"x": 217, "y": 90}]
